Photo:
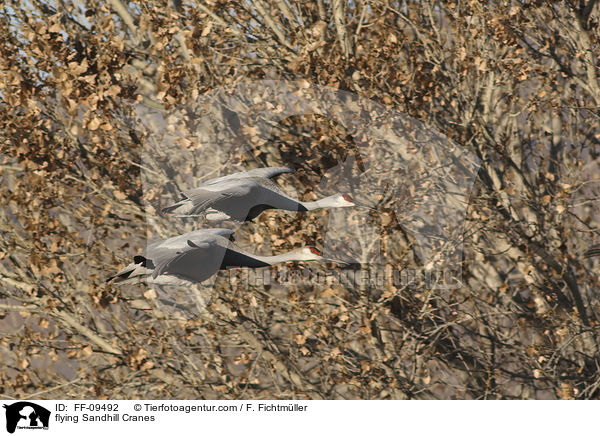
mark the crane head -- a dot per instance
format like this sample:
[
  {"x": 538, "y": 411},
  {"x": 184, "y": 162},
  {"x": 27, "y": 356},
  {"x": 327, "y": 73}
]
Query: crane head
[
  {"x": 345, "y": 200},
  {"x": 338, "y": 200},
  {"x": 308, "y": 253}
]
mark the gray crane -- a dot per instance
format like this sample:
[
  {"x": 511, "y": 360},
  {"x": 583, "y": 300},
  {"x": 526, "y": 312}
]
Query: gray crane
[
  {"x": 245, "y": 195},
  {"x": 198, "y": 255}
]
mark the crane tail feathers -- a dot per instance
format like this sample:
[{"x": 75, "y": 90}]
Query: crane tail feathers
[
  {"x": 169, "y": 209},
  {"x": 125, "y": 273},
  {"x": 184, "y": 207},
  {"x": 119, "y": 277}
]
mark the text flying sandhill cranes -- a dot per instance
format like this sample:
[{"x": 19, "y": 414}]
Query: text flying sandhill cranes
[
  {"x": 245, "y": 195},
  {"x": 198, "y": 255}
]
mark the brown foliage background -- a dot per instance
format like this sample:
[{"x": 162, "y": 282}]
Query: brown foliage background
[{"x": 514, "y": 83}]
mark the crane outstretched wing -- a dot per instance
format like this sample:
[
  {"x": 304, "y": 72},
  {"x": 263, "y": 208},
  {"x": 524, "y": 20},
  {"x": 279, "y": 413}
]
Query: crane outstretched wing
[
  {"x": 197, "y": 261},
  {"x": 254, "y": 190},
  {"x": 164, "y": 254},
  {"x": 216, "y": 195},
  {"x": 179, "y": 242},
  {"x": 268, "y": 173}
]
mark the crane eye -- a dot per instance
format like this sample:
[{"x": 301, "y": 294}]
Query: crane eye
[
  {"x": 315, "y": 251},
  {"x": 347, "y": 198}
]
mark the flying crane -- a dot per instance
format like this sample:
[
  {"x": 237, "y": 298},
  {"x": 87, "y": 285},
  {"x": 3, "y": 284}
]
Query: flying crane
[
  {"x": 245, "y": 195},
  {"x": 198, "y": 255}
]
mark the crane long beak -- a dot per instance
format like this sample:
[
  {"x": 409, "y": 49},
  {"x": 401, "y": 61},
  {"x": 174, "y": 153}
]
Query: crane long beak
[{"x": 360, "y": 204}]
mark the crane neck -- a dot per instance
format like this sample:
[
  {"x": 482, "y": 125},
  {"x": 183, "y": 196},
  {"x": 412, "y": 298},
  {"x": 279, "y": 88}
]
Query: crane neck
[
  {"x": 281, "y": 258},
  {"x": 320, "y": 204}
]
